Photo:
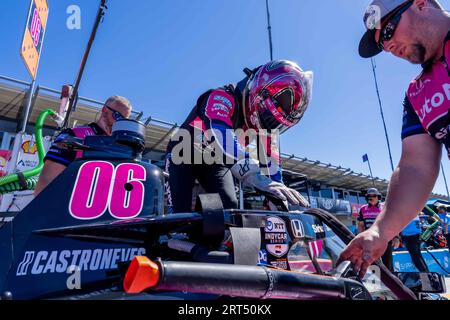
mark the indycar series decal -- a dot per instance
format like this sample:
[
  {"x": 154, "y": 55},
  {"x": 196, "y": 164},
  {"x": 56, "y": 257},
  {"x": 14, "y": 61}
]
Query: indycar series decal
[{"x": 275, "y": 237}]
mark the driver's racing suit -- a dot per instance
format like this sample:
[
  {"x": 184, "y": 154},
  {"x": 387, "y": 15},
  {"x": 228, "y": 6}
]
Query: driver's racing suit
[{"x": 218, "y": 113}]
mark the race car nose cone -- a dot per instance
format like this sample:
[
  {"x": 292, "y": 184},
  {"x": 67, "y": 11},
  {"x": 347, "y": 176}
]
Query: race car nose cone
[{"x": 142, "y": 274}]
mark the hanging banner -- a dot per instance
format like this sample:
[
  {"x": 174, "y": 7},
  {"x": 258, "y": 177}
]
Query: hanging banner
[{"x": 33, "y": 37}]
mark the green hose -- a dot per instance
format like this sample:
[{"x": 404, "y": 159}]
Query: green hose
[
  {"x": 11, "y": 182},
  {"x": 425, "y": 236},
  {"x": 427, "y": 233}
]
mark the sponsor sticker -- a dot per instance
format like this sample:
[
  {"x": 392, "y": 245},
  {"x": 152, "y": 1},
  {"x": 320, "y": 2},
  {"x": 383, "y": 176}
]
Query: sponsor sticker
[
  {"x": 262, "y": 257},
  {"x": 275, "y": 237},
  {"x": 298, "y": 230},
  {"x": 224, "y": 100},
  {"x": 280, "y": 264}
]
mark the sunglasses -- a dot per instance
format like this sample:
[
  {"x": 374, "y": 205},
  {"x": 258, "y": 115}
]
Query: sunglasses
[
  {"x": 388, "y": 31},
  {"x": 372, "y": 197},
  {"x": 116, "y": 114}
]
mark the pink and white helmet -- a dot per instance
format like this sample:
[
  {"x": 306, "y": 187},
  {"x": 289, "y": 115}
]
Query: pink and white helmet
[{"x": 276, "y": 96}]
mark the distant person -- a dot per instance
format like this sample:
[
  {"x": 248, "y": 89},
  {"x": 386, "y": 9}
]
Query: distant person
[
  {"x": 424, "y": 218},
  {"x": 367, "y": 216},
  {"x": 58, "y": 159},
  {"x": 445, "y": 221},
  {"x": 417, "y": 31},
  {"x": 354, "y": 228},
  {"x": 411, "y": 240}
]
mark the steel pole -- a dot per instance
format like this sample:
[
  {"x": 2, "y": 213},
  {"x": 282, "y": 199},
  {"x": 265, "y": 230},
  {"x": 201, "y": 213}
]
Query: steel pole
[
  {"x": 73, "y": 98},
  {"x": 382, "y": 114},
  {"x": 269, "y": 29},
  {"x": 445, "y": 181}
]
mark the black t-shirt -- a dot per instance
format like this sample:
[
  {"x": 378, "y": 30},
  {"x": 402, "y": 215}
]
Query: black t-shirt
[{"x": 65, "y": 156}]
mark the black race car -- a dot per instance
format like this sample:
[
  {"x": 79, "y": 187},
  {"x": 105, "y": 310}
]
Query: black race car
[{"x": 77, "y": 238}]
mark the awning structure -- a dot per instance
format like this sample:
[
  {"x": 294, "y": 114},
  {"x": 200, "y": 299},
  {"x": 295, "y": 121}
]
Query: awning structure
[
  {"x": 335, "y": 176},
  {"x": 12, "y": 100},
  {"x": 438, "y": 202}
]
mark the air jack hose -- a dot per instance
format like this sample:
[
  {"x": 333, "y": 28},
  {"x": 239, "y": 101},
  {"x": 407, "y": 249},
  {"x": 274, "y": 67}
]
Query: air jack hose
[{"x": 27, "y": 180}]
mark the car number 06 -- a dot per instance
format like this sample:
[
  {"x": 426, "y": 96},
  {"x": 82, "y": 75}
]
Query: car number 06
[{"x": 100, "y": 186}]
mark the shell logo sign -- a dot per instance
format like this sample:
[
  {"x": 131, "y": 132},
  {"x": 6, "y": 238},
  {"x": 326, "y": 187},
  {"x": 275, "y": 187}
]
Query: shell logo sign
[
  {"x": 33, "y": 38},
  {"x": 29, "y": 148}
]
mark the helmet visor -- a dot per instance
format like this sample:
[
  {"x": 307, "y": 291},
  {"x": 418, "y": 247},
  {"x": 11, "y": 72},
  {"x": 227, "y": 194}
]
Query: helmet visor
[
  {"x": 271, "y": 116},
  {"x": 284, "y": 110}
]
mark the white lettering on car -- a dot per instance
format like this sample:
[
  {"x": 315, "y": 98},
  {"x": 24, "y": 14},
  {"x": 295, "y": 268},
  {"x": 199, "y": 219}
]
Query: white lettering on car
[{"x": 45, "y": 262}]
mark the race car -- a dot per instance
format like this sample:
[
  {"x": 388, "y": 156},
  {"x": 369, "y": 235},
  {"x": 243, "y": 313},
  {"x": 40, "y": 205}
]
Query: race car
[{"x": 99, "y": 231}]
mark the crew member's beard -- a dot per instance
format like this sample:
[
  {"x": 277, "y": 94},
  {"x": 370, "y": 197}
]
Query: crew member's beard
[{"x": 418, "y": 53}]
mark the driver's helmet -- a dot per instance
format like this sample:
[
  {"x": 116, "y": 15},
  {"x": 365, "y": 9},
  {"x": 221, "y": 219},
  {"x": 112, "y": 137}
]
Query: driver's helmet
[
  {"x": 276, "y": 96},
  {"x": 373, "y": 192}
]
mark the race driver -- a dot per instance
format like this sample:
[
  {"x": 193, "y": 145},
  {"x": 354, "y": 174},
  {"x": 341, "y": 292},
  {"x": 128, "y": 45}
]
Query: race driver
[
  {"x": 416, "y": 31},
  {"x": 273, "y": 97},
  {"x": 57, "y": 158}
]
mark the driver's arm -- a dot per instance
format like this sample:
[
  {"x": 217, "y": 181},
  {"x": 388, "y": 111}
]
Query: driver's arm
[
  {"x": 410, "y": 185},
  {"x": 269, "y": 156},
  {"x": 50, "y": 171}
]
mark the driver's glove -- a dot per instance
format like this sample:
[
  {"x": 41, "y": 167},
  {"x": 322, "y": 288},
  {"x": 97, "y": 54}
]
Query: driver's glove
[{"x": 249, "y": 173}]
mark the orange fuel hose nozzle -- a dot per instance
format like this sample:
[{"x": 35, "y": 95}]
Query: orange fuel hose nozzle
[{"x": 142, "y": 274}]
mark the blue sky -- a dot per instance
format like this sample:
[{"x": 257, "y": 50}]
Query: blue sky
[{"x": 163, "y": 54}]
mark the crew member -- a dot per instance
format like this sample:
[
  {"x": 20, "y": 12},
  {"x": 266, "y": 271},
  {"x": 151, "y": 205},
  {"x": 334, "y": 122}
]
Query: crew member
[
  {"x": 416, "y": 31},
  {"x": 57, "y": 158},
  {"x": 411, "y": 240},
  {"x": 445, "y": 221},
  {"x": 367, "y": 216}
]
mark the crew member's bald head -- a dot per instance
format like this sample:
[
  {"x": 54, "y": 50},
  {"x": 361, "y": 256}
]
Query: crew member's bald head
[{"x": 120, "y": 104}]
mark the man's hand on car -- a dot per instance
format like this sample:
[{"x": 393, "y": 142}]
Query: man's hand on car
[{"x": 364, "y": 250}]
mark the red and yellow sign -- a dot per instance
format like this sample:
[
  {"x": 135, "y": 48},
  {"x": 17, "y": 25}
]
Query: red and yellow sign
[
  {"x": 29, "y": 148},
  {"x": 34, "y": 35}
]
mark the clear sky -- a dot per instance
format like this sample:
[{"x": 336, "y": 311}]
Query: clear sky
[{"x": 163, "y": 54}]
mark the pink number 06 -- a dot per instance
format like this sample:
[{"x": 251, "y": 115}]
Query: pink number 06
[{"x": 99, "y": 185}]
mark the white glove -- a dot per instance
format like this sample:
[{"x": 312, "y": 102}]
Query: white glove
[{"x": 249, "y": 173}]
